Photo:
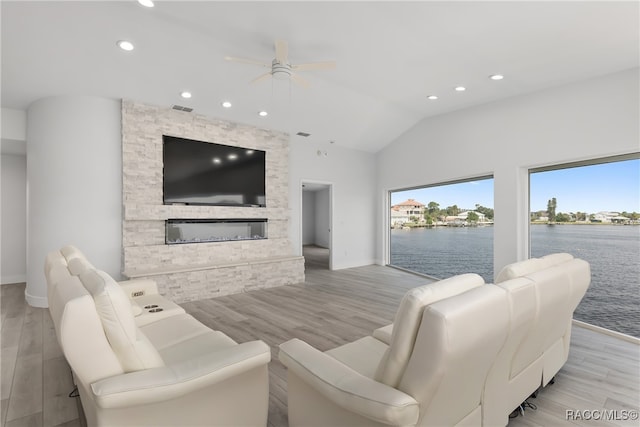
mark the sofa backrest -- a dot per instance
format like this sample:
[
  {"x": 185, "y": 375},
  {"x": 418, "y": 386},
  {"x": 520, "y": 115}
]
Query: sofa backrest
[
  {"x": 560, "y": 282},
  {"x": 407, "y": 322},
  {"x": 52, "y": 260},
  {"x": 70, "y": 252},
  {"x": 552, "y": 296},
  {"x": 457, "y": 341},
  {"x": 526, "y": 267},
  {"x": 523, "y": 302},
  {"x": 57, "y": 267},
  {"x": 113, "y": 307},
  {"x": 80, "y": 333}
]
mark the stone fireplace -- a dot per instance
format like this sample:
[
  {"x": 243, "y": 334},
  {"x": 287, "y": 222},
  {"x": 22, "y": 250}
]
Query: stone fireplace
[{"x": 196, "y": 252}]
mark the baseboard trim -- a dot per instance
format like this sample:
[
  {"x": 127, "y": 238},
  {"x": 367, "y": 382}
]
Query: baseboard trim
[
  {"x": 605, "y": 331},
  {"x": 10, "y": 280},
  {"x": 337, "y": 265},
  {"x": 34, "y": 301}
]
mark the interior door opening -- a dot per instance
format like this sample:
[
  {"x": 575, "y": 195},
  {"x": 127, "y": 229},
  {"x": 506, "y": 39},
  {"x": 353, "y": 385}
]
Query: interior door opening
[{"x": 316, "y": 225}]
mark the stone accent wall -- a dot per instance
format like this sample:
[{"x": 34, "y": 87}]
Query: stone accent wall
[{"x": 267, "y": 262}]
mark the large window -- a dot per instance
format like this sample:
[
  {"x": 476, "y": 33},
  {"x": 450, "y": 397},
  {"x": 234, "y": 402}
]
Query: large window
[
  {"x": 592, "y": 212},
  {"x": 443, "y": 230}
]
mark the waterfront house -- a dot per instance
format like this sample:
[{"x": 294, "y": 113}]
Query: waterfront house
[
  {"x": 605, "y": 217},
  {"x": 423, "y": 93},
  {"x": 407, "y": 211}
]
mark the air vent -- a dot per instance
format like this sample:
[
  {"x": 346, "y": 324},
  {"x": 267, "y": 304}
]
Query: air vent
[
  {"x": 303, "y": 134},
  {"x": 181, "y": 108}
]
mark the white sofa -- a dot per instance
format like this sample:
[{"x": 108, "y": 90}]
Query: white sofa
[
  {"x": 460, "y": 352},
  {"x": 156, "y": 368},
  {"x": 543, "y": 293}
]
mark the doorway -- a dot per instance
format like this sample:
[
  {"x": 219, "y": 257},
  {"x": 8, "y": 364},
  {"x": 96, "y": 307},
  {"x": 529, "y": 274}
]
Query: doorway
[{"x": 316, "y": 225}]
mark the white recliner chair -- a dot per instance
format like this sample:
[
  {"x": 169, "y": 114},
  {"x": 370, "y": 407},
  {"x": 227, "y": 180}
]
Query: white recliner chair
[{"x": 445, "y": 338}]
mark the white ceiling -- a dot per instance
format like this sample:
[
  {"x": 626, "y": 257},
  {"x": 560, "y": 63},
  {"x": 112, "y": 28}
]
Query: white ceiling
[{"x": 390, "y": 56}]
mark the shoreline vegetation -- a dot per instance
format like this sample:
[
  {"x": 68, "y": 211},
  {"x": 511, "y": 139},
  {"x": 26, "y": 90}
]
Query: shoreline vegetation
[
  {"x": 414, "y": 214},
  {"x": 411, "y": 225}
]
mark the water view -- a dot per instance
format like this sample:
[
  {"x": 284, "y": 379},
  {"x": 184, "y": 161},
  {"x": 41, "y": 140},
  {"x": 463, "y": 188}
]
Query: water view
[{"x": 613, "y": 298}]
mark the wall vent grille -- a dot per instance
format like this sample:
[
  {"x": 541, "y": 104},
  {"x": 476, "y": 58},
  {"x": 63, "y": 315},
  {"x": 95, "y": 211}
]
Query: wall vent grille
[{"x": 181, "y": 108}]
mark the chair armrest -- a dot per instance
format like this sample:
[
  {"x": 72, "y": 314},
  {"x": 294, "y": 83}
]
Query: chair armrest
[
  {"x": 384, "y": 334},
  {"x": 168, "y": 382},
  {"x": 138, "y": 287},
  {"x": 347, "y": 388}
]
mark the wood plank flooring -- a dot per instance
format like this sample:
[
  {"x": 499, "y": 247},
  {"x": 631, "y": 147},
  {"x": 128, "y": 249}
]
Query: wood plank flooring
[
  {"x": 35, "y": 377},
  {"x": 329, "y": 309}
]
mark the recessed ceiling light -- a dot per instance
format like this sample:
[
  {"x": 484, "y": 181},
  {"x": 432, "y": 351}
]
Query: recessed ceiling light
[
  {"x": 249, "y": 152},
  {"x": 185, "y": 94},
  {"x": 460, "y": 88},
  {"x": 263, "y": 114},
  {"x": 146, "y": 3},
  {"x": 217, "y": 160},
  {"x": 125, "y": 45},
  {"x": 226, "y": 104},
  {"x": 232, "y": 156},
  {"x": 432, "y": 97},
  {"x": 496, "y": 77}
]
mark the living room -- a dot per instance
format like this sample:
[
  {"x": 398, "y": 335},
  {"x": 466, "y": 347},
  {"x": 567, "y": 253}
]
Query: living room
[{"x": 69, "y": 146}]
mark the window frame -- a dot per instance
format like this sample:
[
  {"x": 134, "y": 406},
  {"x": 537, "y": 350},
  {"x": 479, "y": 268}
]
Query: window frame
[{"x": 387, "y": 255}]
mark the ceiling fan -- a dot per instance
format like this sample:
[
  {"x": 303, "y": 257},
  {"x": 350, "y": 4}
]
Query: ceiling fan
[{"x": 281, "y": 68}]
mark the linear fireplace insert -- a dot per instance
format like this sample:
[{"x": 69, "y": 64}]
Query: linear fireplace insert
[{"x": 180, "y": 231}]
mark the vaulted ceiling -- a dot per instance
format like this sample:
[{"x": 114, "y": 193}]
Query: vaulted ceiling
[{"x": 390, "y": 57}]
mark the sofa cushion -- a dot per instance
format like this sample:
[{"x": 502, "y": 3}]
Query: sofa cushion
[
  {"x": 132, "y": 348},
  {"x": 408, "y": 318},
  {"x": 528, "y": 266},
  {"x": 182, "y": 337}
]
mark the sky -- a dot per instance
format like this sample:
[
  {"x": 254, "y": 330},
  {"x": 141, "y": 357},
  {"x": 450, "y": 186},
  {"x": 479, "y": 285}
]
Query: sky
[{"x": 595, "y": 188}]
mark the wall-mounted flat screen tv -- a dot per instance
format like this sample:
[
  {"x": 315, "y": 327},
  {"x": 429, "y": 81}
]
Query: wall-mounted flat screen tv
[{"x": 205, "y": 173}]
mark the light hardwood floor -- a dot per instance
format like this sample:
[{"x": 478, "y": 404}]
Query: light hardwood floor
[{"x": 329, "y": 309}]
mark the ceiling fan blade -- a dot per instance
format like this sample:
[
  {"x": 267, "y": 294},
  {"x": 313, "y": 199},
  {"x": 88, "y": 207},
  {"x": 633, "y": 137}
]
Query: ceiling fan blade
[
  {"x": 247, "y": 61},
  {"x": 261, "y": 78},
  {"x": 282, "y": 51},
  {"x": 299, "y": 80},
  {"x": 327, "y": 65}
]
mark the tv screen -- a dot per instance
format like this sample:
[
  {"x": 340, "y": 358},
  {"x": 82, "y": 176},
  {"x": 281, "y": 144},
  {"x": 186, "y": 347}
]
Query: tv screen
[{"x": 204, "y": 173}]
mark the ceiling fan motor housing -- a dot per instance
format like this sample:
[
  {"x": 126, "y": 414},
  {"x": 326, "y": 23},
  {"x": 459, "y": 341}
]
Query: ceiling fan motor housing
[{"x": 280, "y": 71}]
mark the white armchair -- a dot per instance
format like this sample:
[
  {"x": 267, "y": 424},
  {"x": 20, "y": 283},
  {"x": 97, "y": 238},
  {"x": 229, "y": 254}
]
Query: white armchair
[{"x": 443, "y": 342}]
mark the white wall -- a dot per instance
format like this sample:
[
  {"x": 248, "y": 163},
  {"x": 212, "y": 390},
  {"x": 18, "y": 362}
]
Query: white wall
[
  {"x": 13, "y": 265},
  {"x": 585, "y": 120},
  {"x": 14, "y": 124},
  {"x": 74, "y": 177},
  {"x": 308, "y": 217},
  {"x": 352, "y": 174},
  {"x": 323, "y": 218}
]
